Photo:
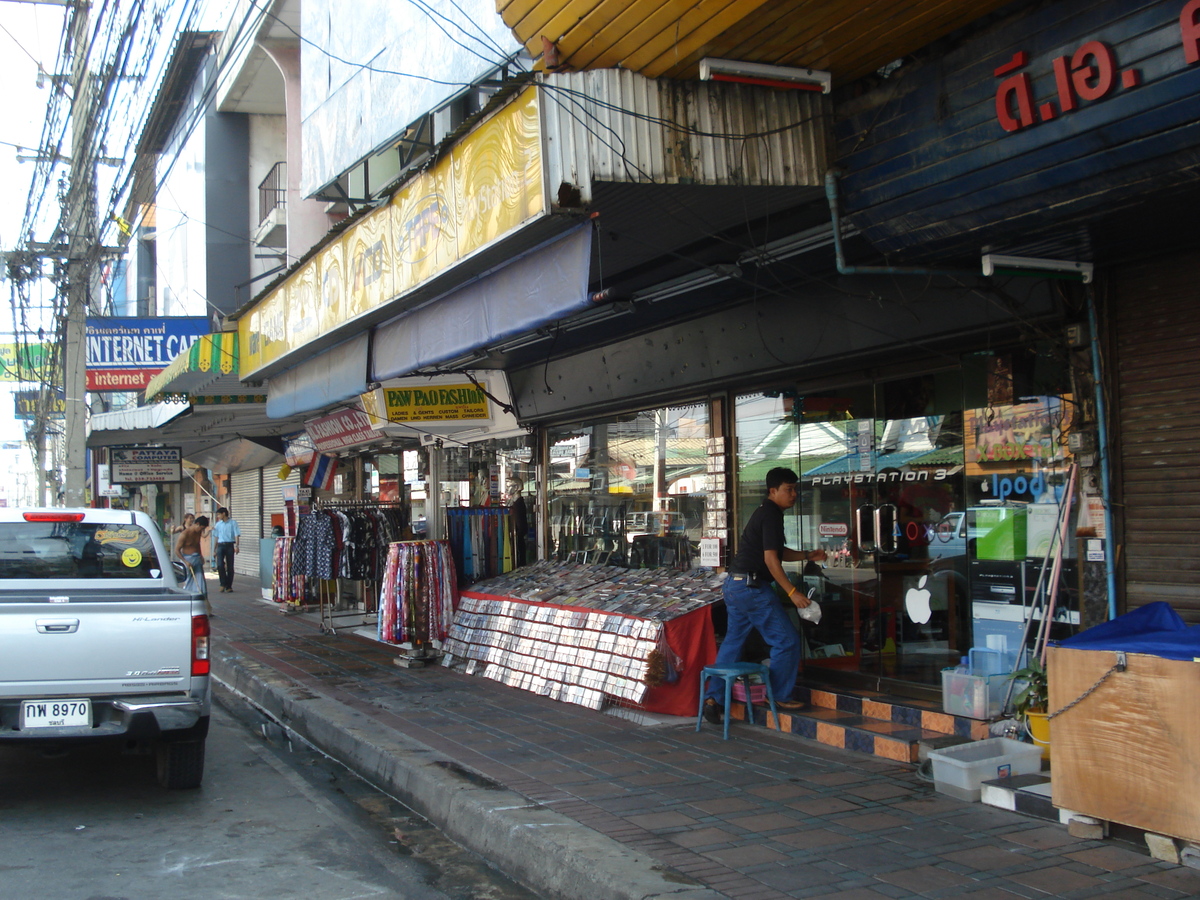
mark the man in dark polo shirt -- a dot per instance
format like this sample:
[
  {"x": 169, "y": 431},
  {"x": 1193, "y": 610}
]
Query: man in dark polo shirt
[{"x": 752, "y": 604}]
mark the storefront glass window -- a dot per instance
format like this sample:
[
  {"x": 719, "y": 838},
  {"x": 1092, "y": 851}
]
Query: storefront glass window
[
  {"x": 936, "y": 498},
  {"x": 488, "y": 490},
  {"x": 630, "y": 491}
]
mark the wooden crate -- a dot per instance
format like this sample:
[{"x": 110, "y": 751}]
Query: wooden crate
[{"x": 1129, "y": 753}]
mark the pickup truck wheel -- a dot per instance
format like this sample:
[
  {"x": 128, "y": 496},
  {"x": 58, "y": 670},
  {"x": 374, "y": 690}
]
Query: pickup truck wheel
[{"x": 181, "y": 764}]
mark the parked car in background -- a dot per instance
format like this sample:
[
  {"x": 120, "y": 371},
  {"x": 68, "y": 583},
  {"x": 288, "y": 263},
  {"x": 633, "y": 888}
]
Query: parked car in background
[{"x": 98, "y": 640}]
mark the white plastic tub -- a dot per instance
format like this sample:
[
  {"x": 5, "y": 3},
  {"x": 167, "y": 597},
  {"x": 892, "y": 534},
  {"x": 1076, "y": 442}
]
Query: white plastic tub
[{"x": 961, "y": 771}]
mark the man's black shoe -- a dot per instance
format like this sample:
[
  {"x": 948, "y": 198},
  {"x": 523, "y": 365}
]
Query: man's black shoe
[{"x": 713, "y": 711}]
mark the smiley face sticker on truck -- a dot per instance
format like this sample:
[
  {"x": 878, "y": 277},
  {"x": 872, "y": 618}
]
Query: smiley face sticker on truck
[{"x": 131, "y": 557}]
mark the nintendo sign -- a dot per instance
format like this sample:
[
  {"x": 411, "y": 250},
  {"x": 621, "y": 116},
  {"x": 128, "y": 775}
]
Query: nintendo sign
[{"x": 833, "y": 529}]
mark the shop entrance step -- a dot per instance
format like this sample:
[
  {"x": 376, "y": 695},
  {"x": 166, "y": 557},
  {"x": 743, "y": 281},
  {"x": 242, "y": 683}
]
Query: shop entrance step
[{"x": 870, "y": 722}]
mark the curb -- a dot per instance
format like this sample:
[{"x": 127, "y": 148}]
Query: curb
[{"x": 544, "y": 850}]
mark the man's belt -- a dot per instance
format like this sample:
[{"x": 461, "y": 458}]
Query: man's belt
[{"x": 752, "y": 579}]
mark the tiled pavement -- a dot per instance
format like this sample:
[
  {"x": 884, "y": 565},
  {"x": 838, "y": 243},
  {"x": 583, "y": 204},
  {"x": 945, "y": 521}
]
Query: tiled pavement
[{"x": 762, "y": 816}]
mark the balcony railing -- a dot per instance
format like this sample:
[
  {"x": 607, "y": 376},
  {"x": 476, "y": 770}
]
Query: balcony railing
[{"x": 272, "y": 192}]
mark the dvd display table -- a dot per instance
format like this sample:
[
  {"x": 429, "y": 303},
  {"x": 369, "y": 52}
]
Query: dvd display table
[{"x": 591, "y": 635}]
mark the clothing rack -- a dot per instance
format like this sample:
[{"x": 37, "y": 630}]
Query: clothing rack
[
  {"x": 418, "y": 597},
  {"x": 482, "y": 540},
  {"x": 339, "y": 541}
]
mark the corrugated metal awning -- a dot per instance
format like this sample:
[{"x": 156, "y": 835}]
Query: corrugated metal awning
[
  {"x": 132, "y": 426},
  {"x": 212, "y": 361}
]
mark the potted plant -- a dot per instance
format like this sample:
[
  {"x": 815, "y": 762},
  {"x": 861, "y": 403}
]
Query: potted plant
[{"x": 1030, "y": 703}]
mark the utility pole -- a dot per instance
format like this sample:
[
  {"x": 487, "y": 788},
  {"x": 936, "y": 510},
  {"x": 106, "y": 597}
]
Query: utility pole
[{"x": 80, "y": 219}]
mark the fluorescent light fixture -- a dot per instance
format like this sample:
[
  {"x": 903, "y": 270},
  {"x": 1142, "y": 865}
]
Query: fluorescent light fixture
[
  {"x": 995, "y": 264},
  {"x": 802, "y": 242},
  {"x": 713, "y": 69}
]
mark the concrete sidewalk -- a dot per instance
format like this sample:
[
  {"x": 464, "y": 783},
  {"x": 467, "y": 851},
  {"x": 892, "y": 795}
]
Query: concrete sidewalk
[{"x": 576, "y": 804}]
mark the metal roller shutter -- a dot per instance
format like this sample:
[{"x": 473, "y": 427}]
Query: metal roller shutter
[
  {"x": 272, "y": 499},
  {"x": 245, "y": 504},
  {"x": 1156, "y": 316}
]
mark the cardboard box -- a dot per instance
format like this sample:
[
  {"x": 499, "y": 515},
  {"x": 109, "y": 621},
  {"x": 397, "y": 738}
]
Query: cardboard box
[{"x": 1130, "y": 752}]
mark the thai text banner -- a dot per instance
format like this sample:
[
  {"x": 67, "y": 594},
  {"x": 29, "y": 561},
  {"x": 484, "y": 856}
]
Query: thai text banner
[
  {"x": 490, "y": 183},
  {"x": 29, "y": 405}
]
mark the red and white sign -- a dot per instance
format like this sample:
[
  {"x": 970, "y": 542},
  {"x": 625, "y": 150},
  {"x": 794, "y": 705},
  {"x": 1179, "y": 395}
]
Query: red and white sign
[
  {"x": 344, "y": 428},
  {"x": 130, "y": 380},
  {"x": 833, "y": 529},
  {"x": 1090, "y": 73}
]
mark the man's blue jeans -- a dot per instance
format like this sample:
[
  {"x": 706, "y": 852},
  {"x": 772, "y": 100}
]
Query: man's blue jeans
[{"x": 758, "y": 607}]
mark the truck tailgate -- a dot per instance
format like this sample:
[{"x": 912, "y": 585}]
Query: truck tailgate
[{"x": 95, "y": 647}]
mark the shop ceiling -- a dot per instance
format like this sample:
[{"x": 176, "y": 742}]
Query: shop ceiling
[{"x": 668, "y": 38}]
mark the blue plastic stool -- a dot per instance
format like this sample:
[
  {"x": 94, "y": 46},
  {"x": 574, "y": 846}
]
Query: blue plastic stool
[{"x": 730, "y": 674}]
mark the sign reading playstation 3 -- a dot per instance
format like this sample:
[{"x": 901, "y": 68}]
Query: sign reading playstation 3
[{"x": 123, "y": 354}]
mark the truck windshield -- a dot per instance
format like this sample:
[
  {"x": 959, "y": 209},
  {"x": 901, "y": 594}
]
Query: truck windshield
[{"x": 53, "y": 550}]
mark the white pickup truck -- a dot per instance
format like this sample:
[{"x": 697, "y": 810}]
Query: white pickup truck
[{"x": 99, "y": 641}]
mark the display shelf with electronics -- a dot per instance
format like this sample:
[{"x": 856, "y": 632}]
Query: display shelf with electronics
[{"x": 584, "y": 634}]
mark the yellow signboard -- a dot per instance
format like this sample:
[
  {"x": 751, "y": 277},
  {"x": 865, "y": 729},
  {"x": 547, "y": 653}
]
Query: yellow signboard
[
  {"x": 489, "y": 184},
  {"x": 24, "y": 362},
  {"x": 432, "y": 403}
]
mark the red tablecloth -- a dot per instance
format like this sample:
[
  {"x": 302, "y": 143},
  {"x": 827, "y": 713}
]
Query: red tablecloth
[{"x": 691, "y": 637}]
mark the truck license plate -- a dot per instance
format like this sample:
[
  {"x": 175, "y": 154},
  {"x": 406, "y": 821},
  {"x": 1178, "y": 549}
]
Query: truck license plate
[{"x": 55, "y": 713}]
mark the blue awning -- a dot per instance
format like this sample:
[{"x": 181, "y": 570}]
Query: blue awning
[
  {"x": 334, "y": 376},
  {"x": 540, "y": 286}
]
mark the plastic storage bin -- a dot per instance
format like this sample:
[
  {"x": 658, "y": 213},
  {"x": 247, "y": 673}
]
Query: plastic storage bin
[
  {"x": 961, "y": 771},
  {"x": 990, "y": 661},
  {"x": 974, "y": 696},
  {"x": 758, "y": 692}
]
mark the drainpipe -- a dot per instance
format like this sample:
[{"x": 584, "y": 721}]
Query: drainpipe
[
  {"x": 1102, "y": 449},
  {"x": 835, "y": 214}
]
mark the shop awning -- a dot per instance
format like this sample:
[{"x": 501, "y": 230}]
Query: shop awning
[
  {"x": 141, "y": 425},
  {"x": 239, "y": 454},
  {"x": 335, "y": 376},
  {"x": 540, "y": 286},
  {"x": 229, "y": 436},
  {"x": 210, "y": 364}
]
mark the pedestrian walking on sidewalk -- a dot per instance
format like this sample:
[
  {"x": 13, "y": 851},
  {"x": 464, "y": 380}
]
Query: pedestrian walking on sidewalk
[
  {"x": 751, "y": 603},
  {"x": 228, "y": 538},
  {"x": 187, "y": 548}
]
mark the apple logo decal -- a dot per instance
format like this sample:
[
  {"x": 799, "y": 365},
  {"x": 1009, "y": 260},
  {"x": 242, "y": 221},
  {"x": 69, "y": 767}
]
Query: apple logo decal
[{"x": 916, "y": 602}]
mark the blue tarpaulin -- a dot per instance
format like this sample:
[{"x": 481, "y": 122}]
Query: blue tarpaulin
[{"x": 1155, "y": 629}]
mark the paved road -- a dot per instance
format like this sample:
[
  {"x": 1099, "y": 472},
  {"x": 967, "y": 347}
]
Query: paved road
[{"x": 273, "y": 819}]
